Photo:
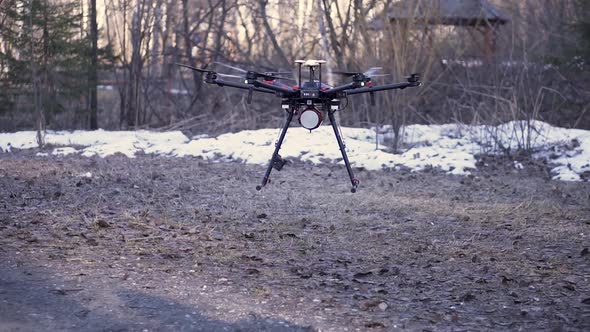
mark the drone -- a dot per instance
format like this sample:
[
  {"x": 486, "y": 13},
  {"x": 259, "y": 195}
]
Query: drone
[{"x": 309, "y": 100}]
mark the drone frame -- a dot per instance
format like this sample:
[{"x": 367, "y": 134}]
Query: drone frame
[{"x": 307, "y": 94}]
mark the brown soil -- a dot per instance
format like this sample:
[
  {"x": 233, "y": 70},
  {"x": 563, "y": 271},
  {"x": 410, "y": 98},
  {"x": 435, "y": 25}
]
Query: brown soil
[{"x": 180, "y": 244}]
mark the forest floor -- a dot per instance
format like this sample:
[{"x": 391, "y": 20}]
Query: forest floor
[{"x": 179, "y": 244}]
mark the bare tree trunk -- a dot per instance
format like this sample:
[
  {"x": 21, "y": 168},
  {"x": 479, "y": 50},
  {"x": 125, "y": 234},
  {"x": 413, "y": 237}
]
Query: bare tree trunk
[
  {"x": 335, "y": 46},
  {"x": 40, "y": 118},
  {"x": 325, "y": 43},
  {"x": 326, "y": 46},
  {"x": 92, "y": 74},
  {"x": 136, "y": 66},
  {"x": 220, "y": 32},
  {"x": 188, "y": 42},
  {"x": 3, "y": 19},
  {"x": 156, "y": 35},
  {"x": 124, "y": 91},
  {"x": 271, "y": 34}
]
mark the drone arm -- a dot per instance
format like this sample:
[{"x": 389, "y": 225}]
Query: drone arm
[
  {"x": 284, "y": 91},
  {"x": 333, "y": 91},
  {"x": 241, "y": 86},
  {"x": 384, "y": 87}
]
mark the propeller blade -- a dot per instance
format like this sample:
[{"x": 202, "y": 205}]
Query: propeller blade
[
  {"x": 369, "y": 73},
  {"x": 259, "y": 65},
  {"x": 345, "y": 73},
  {"x": 202, "y": 70},
  {"x": 230, "y": 67},
  {"x": 276, "y": 75},
  {"x": 229, "y": 76},
  {"x": 194, "y": 68},
  {"x": 270, "y": 76},
  {"x": 372, "y": 71}
]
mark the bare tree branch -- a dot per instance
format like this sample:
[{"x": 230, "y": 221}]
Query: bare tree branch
[{"x": 271, "y": 35}]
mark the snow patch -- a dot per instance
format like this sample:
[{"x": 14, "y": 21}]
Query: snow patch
[
  {"x": 63, "y": 151},
  {"x": 449, "y": 147}
]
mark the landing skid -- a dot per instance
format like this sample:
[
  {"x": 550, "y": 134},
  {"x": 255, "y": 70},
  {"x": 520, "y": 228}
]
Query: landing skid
[{"x": 277, "y": 162}]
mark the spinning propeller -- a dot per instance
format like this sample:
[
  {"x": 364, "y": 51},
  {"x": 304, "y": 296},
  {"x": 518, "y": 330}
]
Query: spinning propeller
[
  {"x": 209, "y": 73},
  {"x": 363, "y": 78},
  {"x": 369, "y": 73},
  {"x": 254, "y": 75}
]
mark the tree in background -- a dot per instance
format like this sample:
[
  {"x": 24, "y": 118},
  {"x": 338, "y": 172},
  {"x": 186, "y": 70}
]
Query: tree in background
[
  {"x": 43, "y": 53},
  {"x": 583, "y": 27},
  {"x": 145, "y": 88},
  {"x": 93, "y": 68}
]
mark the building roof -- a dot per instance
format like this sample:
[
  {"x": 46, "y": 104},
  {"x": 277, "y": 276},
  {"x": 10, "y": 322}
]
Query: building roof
[{"x": 447, "y": 12}]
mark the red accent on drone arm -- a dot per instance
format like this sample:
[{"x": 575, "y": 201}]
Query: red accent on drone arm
[
  {"x": 241, "y": 86},
  {"x": 287, "y": 92},
  {"x": 384, "y": 87}
]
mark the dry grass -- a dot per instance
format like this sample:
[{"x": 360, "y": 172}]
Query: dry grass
[{"x": 440, "y": 251}]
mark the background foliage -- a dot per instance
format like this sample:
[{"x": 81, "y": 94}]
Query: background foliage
[{"x": 537, "y": 70}]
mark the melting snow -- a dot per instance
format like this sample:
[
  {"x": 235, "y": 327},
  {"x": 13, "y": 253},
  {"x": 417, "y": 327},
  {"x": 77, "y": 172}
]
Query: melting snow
[{"x": 449, "y": 147}]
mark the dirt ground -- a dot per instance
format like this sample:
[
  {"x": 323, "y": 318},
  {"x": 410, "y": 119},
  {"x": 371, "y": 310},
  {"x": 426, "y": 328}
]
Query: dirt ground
[{"x": 158, "y": 244}]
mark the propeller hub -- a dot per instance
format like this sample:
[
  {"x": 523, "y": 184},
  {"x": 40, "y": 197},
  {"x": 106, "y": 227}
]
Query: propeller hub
[
  {"x": 252, "y": 75},
  {"x": 414, "y": 78},
  {"x": 360, "y": 78},
  {"x": 210, "y": 77}
]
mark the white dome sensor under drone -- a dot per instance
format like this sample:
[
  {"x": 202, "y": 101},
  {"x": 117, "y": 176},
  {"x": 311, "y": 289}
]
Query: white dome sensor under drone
[{"x": 311, "y": 118}]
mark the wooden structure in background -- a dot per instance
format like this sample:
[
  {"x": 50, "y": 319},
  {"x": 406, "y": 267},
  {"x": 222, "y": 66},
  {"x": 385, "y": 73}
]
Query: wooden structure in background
[{"x": 477, "y": 14}]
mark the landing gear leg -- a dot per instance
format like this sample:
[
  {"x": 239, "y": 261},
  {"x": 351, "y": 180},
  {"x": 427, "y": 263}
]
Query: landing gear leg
[
  {"x": 276, "y": 161},
  {"x": 353, "y": 180}
]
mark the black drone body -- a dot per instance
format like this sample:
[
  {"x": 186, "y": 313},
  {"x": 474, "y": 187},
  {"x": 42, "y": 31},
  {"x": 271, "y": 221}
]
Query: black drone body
[{"x": 309, "y": 100}]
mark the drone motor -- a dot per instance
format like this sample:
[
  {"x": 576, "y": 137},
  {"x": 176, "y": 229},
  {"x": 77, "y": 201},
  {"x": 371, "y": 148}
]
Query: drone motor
[{"x": 311, "y": 118}]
